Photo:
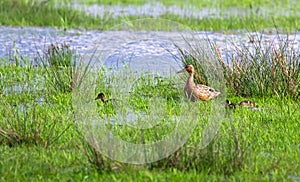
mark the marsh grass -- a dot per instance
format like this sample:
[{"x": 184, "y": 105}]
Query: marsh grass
[
  {"x": 244, "y": 138},
  {"x": 229, "y": 152},
  {"x": 226, "y": 154},
  {"x": 221, "y": 156},
  {"x": 156, "y": 87},
  {"x": 59, "y": 62},
  {"x": 251, "y": 142},
  {"x": 28, "y": 106},
  {"x": 261, "y": 144},
  {"x": 52, "y": 13},
  {"x": 94, "y": 156},
  {"x": 200, "y": 76},
  {"x": 64, "y": 67},
  {"x": 26, "y": 123},
  {"x": 16, "y": 58},
  {"x": 41, "y": 13},
  {"x": 263, "y": 69}
]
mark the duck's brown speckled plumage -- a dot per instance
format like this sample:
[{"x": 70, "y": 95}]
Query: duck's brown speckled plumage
[{"x": 197, "y": 91}]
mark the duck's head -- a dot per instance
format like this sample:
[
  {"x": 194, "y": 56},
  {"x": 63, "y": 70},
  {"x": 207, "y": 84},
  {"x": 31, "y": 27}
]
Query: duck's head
[{"x": 188, "y": 68}]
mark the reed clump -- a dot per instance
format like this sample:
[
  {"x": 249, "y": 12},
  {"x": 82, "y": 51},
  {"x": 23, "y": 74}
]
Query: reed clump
[
  {"x": 64, "y": 67},
  {"x": 262, "y": 69},
  {"x": 26, "y": 124}
]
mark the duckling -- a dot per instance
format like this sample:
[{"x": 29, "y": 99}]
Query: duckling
[
  {"x": 248, "y": 103},
  {"x": 230, "y": 105},
  {"x": 197, "y": 91},
  {"x": 244, "y": 103},
  {"x": 101, "y": 96}
]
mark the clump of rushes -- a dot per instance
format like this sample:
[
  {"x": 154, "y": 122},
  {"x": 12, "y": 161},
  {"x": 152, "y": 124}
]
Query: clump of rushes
[
  {"x": 26, "y": 123},
  {"x": 190, "y": 58},
  {"x": 264, "y": 69},
  {"x": 59, "y": 56},
  {"x": 63, "y": 67}
]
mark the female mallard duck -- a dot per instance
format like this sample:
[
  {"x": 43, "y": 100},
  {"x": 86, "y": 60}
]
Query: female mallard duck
[{"x": 197, "y": 91}]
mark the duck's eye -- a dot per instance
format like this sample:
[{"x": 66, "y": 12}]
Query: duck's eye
[{"x": 211, "y": 90}]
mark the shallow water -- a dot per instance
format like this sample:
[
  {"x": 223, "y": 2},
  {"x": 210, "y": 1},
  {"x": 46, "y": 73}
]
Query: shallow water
[{"x": 149, "y": 50}]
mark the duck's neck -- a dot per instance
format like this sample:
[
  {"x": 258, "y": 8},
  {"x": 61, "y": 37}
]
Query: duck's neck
[{"x": 190, "y": 80}]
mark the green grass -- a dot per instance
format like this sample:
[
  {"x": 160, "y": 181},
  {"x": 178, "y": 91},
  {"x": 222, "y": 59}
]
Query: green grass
[
  {"x": 267, "y": 148},
  {"x": 262, "y": 70},
  {"x": 41, "y": 141},
  {"x": 25, "y": 13}
]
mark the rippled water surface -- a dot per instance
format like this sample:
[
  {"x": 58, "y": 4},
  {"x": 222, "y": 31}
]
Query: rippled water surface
[{"x": 149, "y": 50}]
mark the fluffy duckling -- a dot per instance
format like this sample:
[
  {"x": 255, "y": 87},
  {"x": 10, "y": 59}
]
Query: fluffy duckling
[
  {"x": 248, "y": 103},
  {"x": 230, "y": 105},
  {"x": 244, "y": 103},
  {"x": 101, "y": 96}
]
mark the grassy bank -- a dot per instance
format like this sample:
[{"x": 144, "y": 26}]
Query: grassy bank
[
  {"x": 37, "y": 13},
  {"x": 39, "y": 139}
]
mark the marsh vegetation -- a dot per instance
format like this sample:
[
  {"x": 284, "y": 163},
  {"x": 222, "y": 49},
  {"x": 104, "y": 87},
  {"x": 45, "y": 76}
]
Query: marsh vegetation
[
  {"x": 40, "y": 137},
  {"x": 36, "y": 112},
  {"x": 257, "y": 15}
]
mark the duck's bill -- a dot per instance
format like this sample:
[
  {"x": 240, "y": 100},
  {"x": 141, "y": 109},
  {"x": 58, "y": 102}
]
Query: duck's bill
[{"x": 183, "y": 70}]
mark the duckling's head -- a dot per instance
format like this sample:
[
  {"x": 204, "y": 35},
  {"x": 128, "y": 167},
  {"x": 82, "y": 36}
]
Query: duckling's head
[
  {"x": 230, "y": 105},
  {"x": 188, "y": 68},
  {"x": 100, "y": 96}
]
